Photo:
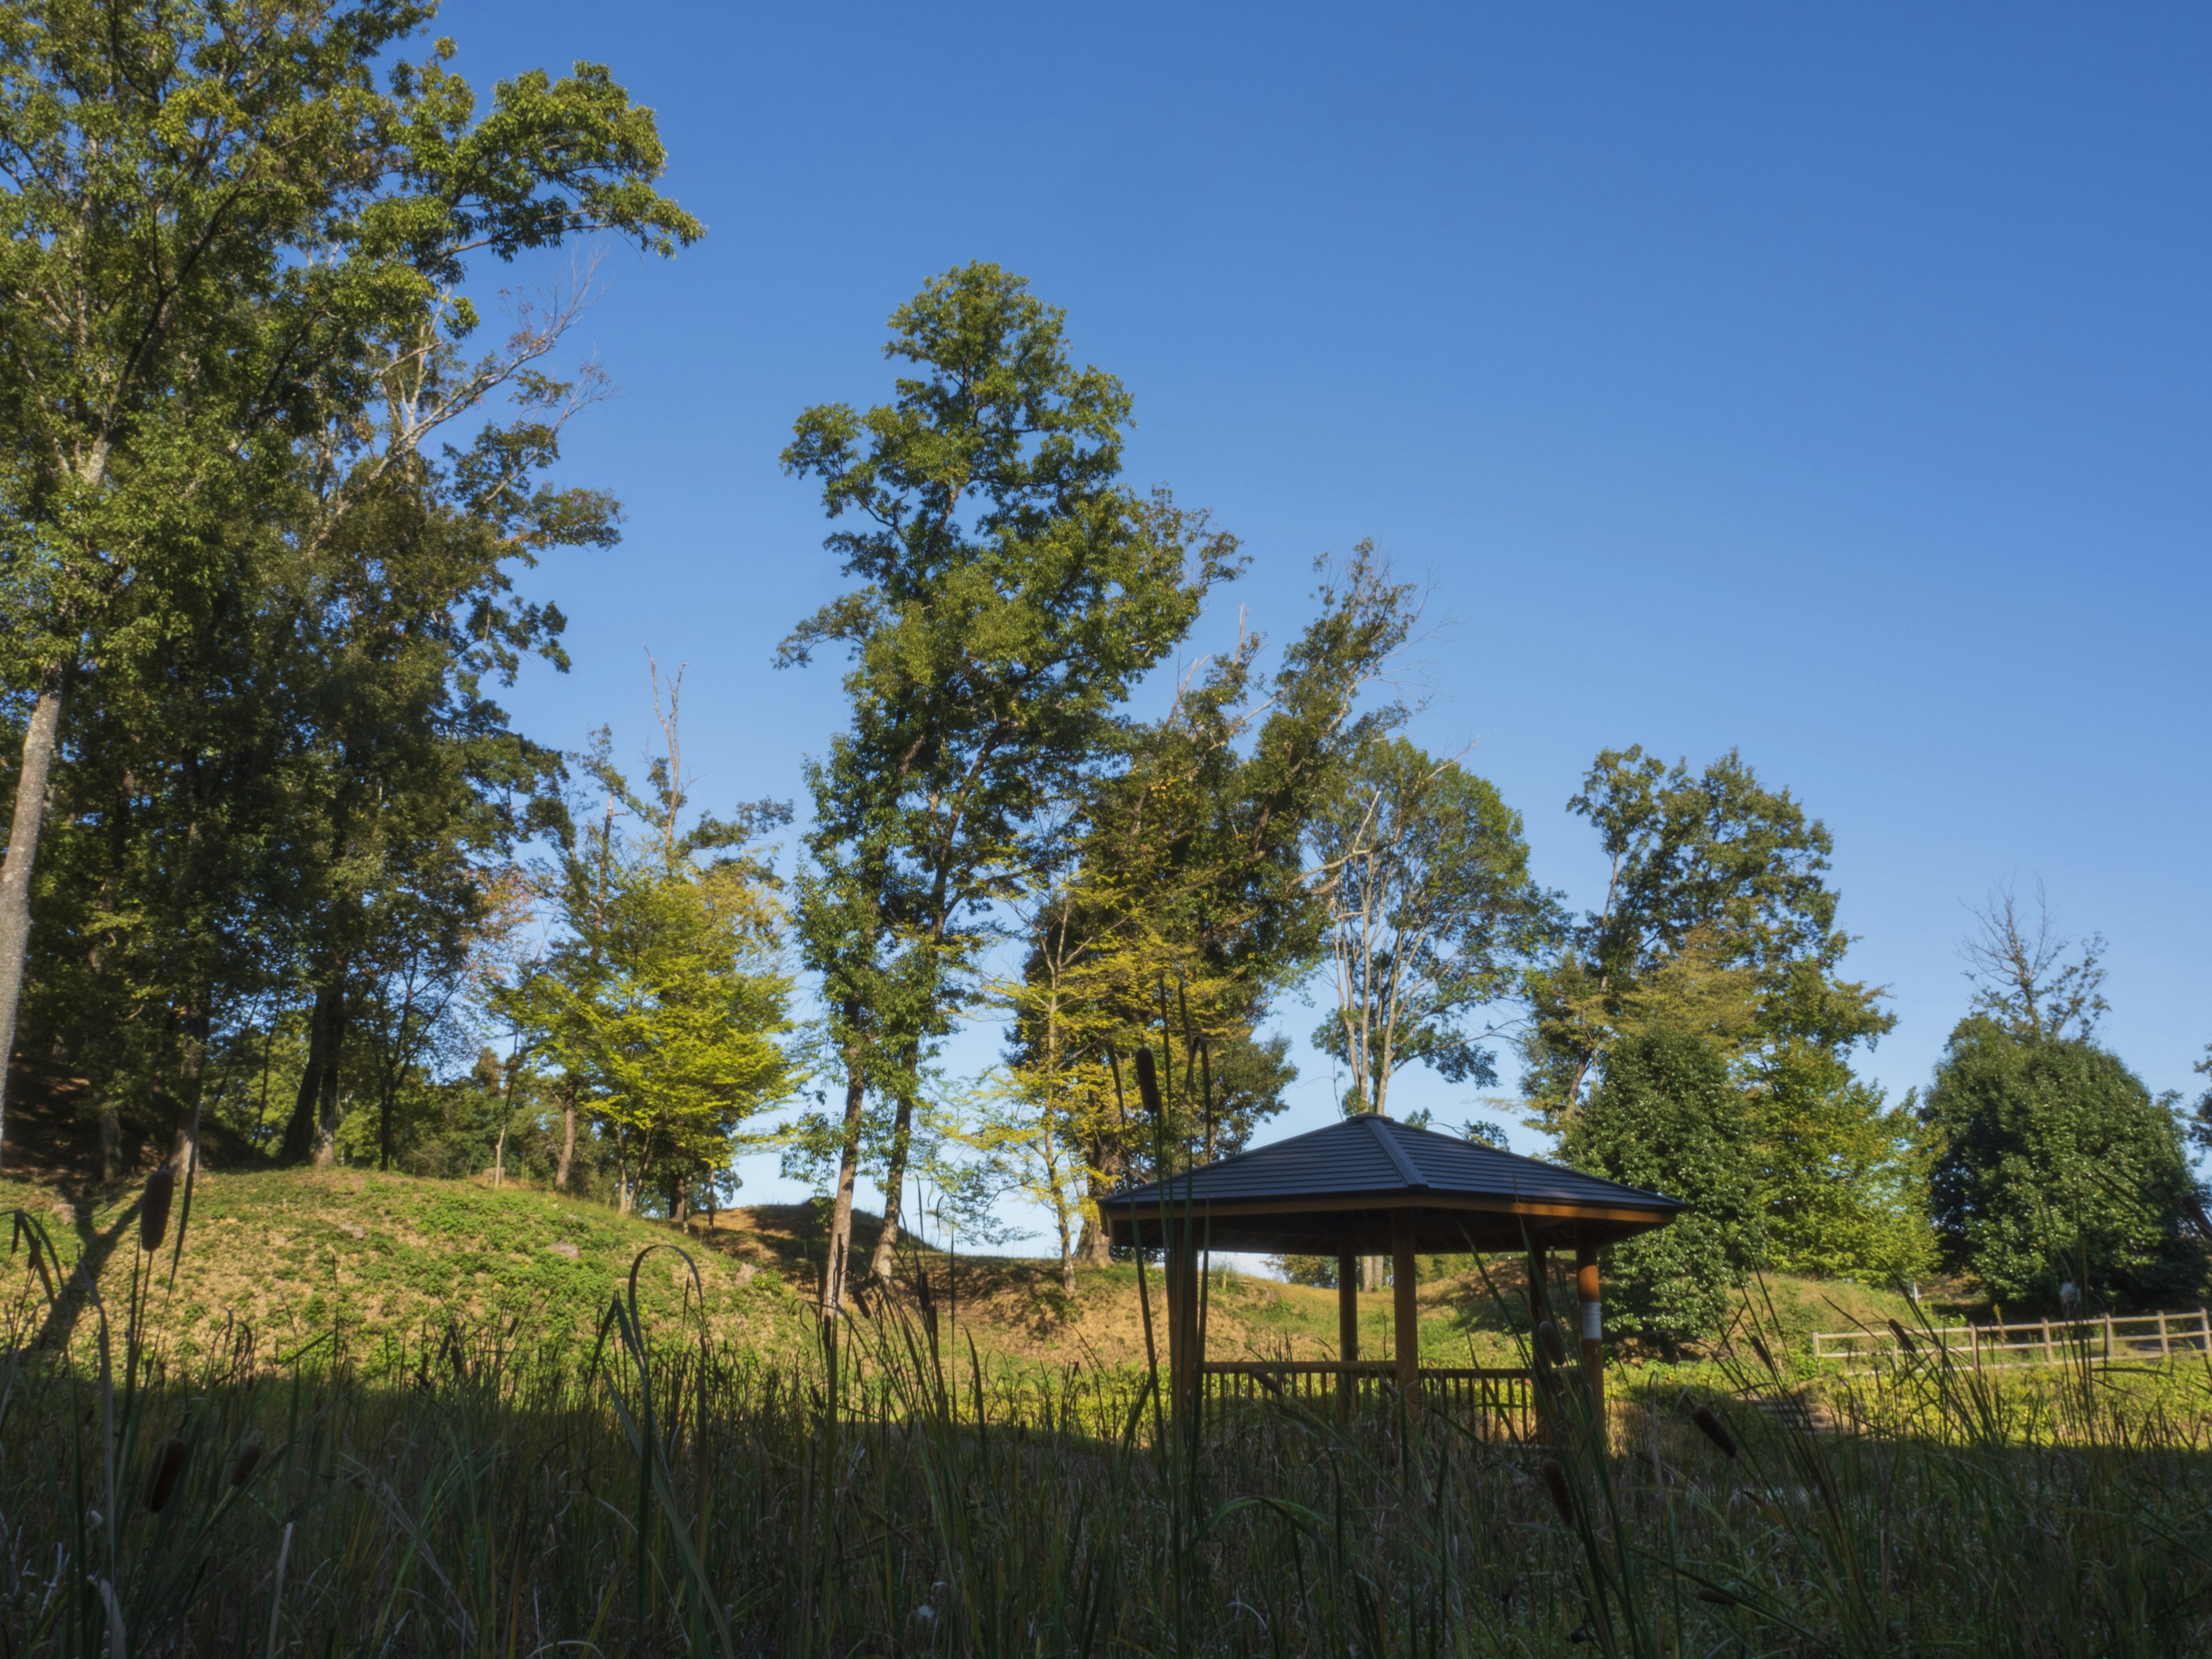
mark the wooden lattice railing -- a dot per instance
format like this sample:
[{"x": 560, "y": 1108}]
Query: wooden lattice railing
[{"x": 1492, "y": 1400}]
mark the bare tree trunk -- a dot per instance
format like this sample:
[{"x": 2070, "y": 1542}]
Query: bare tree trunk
[
  {"x": 567, "y": 1134},
  {"x": 31, "y": 793},
  {"x": 880, "y": 1263},
  {"x": 837, "y": 1258}
]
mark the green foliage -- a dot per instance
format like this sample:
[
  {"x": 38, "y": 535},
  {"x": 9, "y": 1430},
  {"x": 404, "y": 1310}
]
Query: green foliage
[
  {"x": 1433, "y": 915},
  {"x": 1843, "y": 1174},
  {"x": 2058, "y": 1165},
  {"x": 1718, "y": 918},
  {"x": 1013, "y": 590},
  {"x": 232, "y": 330},
  {"x": 1668, "y": 1117},
  {"x": 662, "y": 1002}
]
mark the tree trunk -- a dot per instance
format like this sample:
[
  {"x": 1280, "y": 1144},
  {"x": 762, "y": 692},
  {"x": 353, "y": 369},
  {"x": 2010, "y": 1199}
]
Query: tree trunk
[
  {"x": 111, "y": 1136},
  {"x": 881, "y": 1262},
  {"x": 838, "y": 1256},
  {"x": 322, "y": 1020},
  {"x": 1095, "y": 1248},
  {"x": 568, "y": 1135},
  {"x": 31, "y": 792},
  {"x": 326, "y": 1129},
  {"x": 191, "y": 1075}
]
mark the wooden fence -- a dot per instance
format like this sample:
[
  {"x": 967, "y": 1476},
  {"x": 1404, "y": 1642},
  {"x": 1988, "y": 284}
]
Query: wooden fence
[
  {"x": 2102, "y": 1339},
  {"x": 1489, "y": 1399}
]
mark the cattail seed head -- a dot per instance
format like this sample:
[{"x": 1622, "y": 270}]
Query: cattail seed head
[
  {"x": 173, "y": 1453},
  {"x": 154, "y": 1208},
  {"x": 1765, "y": 1359},
  {"x": 1148, "y": 1082},
  {"x": 1709, "y": 1425},
  {"x": 1555, "y": 1482},
  {"x": 242, "y": 1470},
  {"x": 1904, "y": 1337},
  {"x": 1719, "y": 1598},
  {"x": 1548, "y": 1339}
]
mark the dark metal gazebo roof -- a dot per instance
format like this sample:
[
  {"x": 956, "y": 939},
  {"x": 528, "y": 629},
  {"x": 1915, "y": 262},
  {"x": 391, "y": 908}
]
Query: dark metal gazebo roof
[{"x": 1339, "y": 1187}]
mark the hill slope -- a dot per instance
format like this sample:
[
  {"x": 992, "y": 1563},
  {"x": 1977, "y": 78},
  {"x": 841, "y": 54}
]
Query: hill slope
[{"x": 284, "y": 1257}]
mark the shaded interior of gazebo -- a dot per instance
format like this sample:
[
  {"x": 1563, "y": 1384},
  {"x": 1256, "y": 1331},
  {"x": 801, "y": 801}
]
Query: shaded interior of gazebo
[{"x": 1372, "y": 1186}]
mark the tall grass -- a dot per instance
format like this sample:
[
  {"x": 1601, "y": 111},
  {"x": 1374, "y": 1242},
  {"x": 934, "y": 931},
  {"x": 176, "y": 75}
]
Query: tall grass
[{"x": 476, "y": 1494}]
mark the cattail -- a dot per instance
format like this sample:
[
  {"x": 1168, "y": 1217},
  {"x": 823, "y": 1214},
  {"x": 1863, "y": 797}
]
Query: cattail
[
  {"x": 173, "y": 1453},
  {"x": 242, "y": 1471},
  {"x": 1148, "y": 1082},
  {"x": 154, "y": 1208},
  {"x": 1547, "y": 1338},
  {"x": 1555, "y": 1482},
  {"x": 1765, "y": 1357},
  {"x": 1903, "y": 1338},
  {"x": 1709, "y": 1425},
  {"x": 1719, "y": 1598}
]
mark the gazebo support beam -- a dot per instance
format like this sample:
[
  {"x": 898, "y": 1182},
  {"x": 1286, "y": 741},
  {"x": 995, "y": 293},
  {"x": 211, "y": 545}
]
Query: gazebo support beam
[
  {"x": 1405, "y": 1329},
  {"x": 1347, "y": 1327}
]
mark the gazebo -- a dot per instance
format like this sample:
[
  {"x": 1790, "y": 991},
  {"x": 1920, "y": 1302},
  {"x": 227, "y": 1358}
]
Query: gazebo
[{"x": 1372, "y": 1186}]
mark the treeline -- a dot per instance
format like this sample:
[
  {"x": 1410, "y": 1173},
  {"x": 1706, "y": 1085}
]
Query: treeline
[{"x": 297, "y": 883}]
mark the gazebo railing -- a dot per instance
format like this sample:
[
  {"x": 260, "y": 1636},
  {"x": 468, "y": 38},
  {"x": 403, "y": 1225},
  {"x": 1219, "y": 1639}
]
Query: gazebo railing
[{"x": 1492, "y": 1400}]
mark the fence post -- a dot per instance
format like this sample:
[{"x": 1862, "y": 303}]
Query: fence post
[
  {"x": 2108, "y": 1338},
  {"x": 2165, "y": 1344},
  {"x": 1974, "y": 1343},
  {"x": 2046, "y": 1342}
]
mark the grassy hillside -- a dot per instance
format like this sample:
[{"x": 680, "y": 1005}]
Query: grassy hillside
[{"x": 291, "y": 1255}]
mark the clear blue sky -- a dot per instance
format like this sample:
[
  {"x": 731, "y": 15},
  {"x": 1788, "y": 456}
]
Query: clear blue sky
[{"x": 1829, "y": 382}]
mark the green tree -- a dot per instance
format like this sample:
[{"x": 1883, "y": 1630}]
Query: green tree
[
  {"x": 1012, "y": 591},
  {"x": 1668, "y": 1117},
  {"x": 222, "y": 243},
  {"x": 1185, "y": 905},
  {"x": 2058, "y": 1165},
  {"x": 1843, "y": 1174},
  {"x": 1718, "y": 917},
  {"x": 1432, "y": 917},
  {"x": 1718, "y": 920},
  {"x": 662, "y": 1003}
]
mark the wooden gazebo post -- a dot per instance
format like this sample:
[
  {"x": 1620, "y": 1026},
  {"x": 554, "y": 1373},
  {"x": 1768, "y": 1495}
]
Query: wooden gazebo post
[
  {"x": 1347, "y": 1327},
  {"x": 1406, "y": 1324},
  {"x": 1593, "y": 1321}
]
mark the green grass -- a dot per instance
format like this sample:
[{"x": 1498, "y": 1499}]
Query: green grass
[{"x": 558, "y": 1480}]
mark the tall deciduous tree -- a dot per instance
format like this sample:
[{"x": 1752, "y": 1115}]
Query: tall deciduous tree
[
  {"x": 219, "y": 238},
  {"x": 1719, "y": 924},
  {"x": 1718, "y": 917},
  {"x": 1432, "y": 917},
  {"x": 1011, "y": 591},
  {"x": 1188, "y": 905}
]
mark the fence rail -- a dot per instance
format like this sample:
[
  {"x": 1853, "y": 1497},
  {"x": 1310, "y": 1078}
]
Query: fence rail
[
  {"x": 2102, "y": 1339},
  {"x": 1487, "y": 1398}
]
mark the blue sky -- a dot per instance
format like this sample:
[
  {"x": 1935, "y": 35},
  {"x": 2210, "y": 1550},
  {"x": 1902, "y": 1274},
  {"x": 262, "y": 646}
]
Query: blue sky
[{"x": 1826, "y": 382}]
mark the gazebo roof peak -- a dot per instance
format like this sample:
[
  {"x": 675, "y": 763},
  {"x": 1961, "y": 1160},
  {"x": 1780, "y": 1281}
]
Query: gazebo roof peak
[
  {"x": 1283, "y": 1195},
  {"x": 1369, "y": 1155}
]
